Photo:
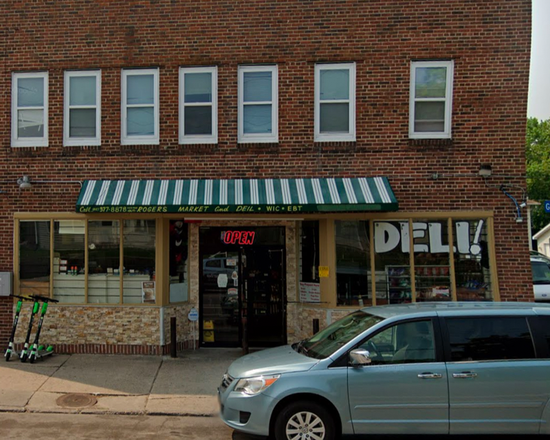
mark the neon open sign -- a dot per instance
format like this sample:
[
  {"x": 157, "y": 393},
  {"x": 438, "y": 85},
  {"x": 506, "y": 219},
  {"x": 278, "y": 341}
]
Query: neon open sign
[{"x": 239, "y": 237}]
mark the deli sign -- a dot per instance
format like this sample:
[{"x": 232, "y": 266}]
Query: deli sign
[{"x": 427, "y": 237}]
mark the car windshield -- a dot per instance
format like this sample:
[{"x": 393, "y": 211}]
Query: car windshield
[
  {"x": 327, "y": 341},
  {"x": 541, "y": 272}
]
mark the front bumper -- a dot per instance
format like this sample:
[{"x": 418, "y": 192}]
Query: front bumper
[{"x": 250, "y": 414}]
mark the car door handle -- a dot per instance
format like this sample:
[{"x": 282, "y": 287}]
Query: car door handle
[
  {"x": 464, "y": 375},
  {"x": 429, "y": 376}
]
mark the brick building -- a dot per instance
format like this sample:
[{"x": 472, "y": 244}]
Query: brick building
[{"x": 255, "y": 168}]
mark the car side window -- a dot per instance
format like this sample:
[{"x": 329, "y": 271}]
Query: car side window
[
  {"x": 403, "y": 343},
  {"x": 490, "y": 338},
  {"x": 545, "y": 320}
]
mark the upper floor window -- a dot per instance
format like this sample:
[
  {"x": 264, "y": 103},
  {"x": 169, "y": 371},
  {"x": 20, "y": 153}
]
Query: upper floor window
[
  {"x": 82, "y": 108},
  {"x": 431, "y": 99},
  {"x": 29, "y": 110},
  {"x": 335, "y": 102},
  {"x": 140, "y": 107},
  {"x": 258, "y": 104},
  {"x": 198, "y": 105}
]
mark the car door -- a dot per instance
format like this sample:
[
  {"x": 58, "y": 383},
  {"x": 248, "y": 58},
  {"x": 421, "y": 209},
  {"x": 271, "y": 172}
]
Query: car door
[
  {"x": 496, "y": 384},
  {"x": 404, "y": 389}
]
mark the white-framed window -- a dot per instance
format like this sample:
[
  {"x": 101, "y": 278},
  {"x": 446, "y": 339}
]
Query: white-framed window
[
  {"x": 29, "y": 115},
  {"x": 335, "y": 102},
  {"x": 431, "y": 96},
  {"x": 140, "y": 107},
  {"x": 258, "y": 104},
  {"x": 198, "y": 102},
  {"x": 82, "y": 108}
]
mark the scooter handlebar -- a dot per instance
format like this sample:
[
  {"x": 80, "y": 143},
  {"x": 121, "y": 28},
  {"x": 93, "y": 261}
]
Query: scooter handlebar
[
  {"x": 44, "y": 298},
  {"x": 22, "y": 297}
]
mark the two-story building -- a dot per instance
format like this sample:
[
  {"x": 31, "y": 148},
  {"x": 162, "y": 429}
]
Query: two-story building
[{"x": 257, "y": 168}]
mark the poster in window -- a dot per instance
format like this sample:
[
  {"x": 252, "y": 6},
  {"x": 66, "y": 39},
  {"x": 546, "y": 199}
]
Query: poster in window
[{"x": 148, "y": 291}]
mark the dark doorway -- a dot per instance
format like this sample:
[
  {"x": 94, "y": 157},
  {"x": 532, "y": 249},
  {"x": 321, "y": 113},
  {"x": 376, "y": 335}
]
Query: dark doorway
[{"x": 242, "y": 287}]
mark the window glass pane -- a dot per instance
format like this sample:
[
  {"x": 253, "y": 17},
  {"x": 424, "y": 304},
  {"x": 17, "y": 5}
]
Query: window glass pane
[
  {"x": 34, "y": 258},
  {"x": 198, "y": 87},
  {"x": 141, "y": 89},
  {"x": 471, "y": 255},
  {"x": 198, "y": 120},
  {"x": 257, "y": 119},
  {"x": 334, "y": 118},
  {"x": 82, "y": 90},
  {"x": 352, "y": 262},
  {"x": 545, "y": 320},
  {"x": 480, "y": 339},
  {"x": 429, "y": 116},
  {"x": 392, "y": 262},
  {"x": 30, "y": 123},
  {"x": 430, "y": 82},
  {"x": 139, "y": 262},
  {"x": 309, "y": 251},
  {"x": 30, "y": 92},
  {"x": 431, "y": 260},
  {"x": 257, "y": 86},
  {"x": 178, "y": 261},
  {"x": 68, "y": 261},
  {"x": 82, "y": 123},
  {"x": 334, "y": 84},
  {"x": 104, "y": 262},
  {"x": 403, "y": 343},
  {"x": 141, "y": 121}
]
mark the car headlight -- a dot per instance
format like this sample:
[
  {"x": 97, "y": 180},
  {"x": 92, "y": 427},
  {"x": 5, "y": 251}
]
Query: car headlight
[{"x": 255, "y": 385}]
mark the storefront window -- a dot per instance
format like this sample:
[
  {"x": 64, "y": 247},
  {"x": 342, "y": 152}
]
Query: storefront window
[
  {"x": 68, "y": 261},
  {"x": 392, "y": 262},
  {"x": 139, "y": 262},
  {"x": 34, "y": 258},
  {"x": 104, "y": 262},
  {"x": 178, "y": 261},
  {"x": 471, "y": 255},
  {"x": 352, "y": 262},
  {"x": 431, "y": 260}
]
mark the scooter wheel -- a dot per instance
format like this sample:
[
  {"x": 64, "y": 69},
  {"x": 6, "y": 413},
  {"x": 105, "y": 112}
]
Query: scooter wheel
[
  {"x": 8, "y": 355},
  {"x": 24, "y": 357},
  {"x": 32, "y": 358}
]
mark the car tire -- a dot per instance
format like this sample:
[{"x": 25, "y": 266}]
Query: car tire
[{"x": 303, "y": 420}]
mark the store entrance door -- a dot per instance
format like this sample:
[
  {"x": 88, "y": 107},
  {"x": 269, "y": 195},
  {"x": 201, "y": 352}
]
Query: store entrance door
[{"x": 242, "y": 287}]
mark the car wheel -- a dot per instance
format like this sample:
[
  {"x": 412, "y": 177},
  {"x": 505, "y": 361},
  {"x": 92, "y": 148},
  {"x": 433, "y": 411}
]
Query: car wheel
[{"x": 304, "y": 421}]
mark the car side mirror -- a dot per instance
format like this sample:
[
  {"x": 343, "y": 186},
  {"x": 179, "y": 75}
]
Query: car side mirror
[{"x": 359, "y": 357}]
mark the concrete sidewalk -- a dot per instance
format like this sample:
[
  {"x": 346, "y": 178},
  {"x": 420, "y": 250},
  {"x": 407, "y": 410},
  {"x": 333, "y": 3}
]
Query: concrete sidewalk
[{"x": 116, "y": 384}]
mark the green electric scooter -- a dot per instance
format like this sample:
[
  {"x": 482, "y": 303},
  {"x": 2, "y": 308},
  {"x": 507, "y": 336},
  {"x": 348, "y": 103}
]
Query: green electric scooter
[
  {"x": 25, "y": 352},
  {"x": 38, "y": 351},
  {"x": 11, "y": 348}
]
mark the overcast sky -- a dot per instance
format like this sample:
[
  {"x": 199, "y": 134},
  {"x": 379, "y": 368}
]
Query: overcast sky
[{"x": 539, "y": 81}]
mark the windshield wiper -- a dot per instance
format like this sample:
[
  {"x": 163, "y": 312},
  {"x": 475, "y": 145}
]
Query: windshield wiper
[{"x": 300, "y": 347}]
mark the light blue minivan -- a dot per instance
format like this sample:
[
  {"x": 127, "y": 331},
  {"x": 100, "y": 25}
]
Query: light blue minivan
[{"x": 423, "y": 368}]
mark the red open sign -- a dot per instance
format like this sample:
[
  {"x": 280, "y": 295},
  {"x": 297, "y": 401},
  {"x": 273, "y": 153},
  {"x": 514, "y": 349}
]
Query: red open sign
[{"x": 239, "y": 237}]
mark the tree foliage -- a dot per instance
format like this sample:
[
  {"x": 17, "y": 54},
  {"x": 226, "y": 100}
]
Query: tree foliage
[{"x": 538, "y": 169}]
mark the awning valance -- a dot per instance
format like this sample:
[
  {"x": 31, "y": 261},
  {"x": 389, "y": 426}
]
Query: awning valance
[{"x": 265, "y": 196}]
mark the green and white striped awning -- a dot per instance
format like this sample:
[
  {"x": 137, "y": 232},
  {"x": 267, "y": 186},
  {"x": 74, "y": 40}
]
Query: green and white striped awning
[{"x": 263, "y": 196}]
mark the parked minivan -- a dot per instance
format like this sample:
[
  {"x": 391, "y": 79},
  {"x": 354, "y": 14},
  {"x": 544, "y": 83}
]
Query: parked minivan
[
  {"x": 422, "y": 368},
  {"x": 540, "y": 266}
]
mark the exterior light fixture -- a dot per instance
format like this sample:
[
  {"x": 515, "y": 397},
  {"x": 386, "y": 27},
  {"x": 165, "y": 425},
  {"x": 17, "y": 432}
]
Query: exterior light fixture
[
  {"x": 485, "y": 170},
  {"x": 24, "y": 182}
]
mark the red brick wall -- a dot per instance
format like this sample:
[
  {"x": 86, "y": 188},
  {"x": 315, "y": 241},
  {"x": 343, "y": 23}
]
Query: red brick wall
[{"x": 489, "y": 41}]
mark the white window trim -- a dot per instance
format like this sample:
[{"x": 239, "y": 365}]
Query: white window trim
[
  {"x": 81, "y": 141},
  {"x": 153, "y": 139},
  {"x": 446, "y": 133},
  {"x": 335, "y": 137},
  {"x": 260, "y": 137},
  {"x": 198, "y": 139},
  {"x": 28, "y": 142}
]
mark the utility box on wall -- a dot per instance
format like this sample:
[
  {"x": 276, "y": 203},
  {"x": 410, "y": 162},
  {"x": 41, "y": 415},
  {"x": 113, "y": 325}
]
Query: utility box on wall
[{"x": 6, "y": 283}]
